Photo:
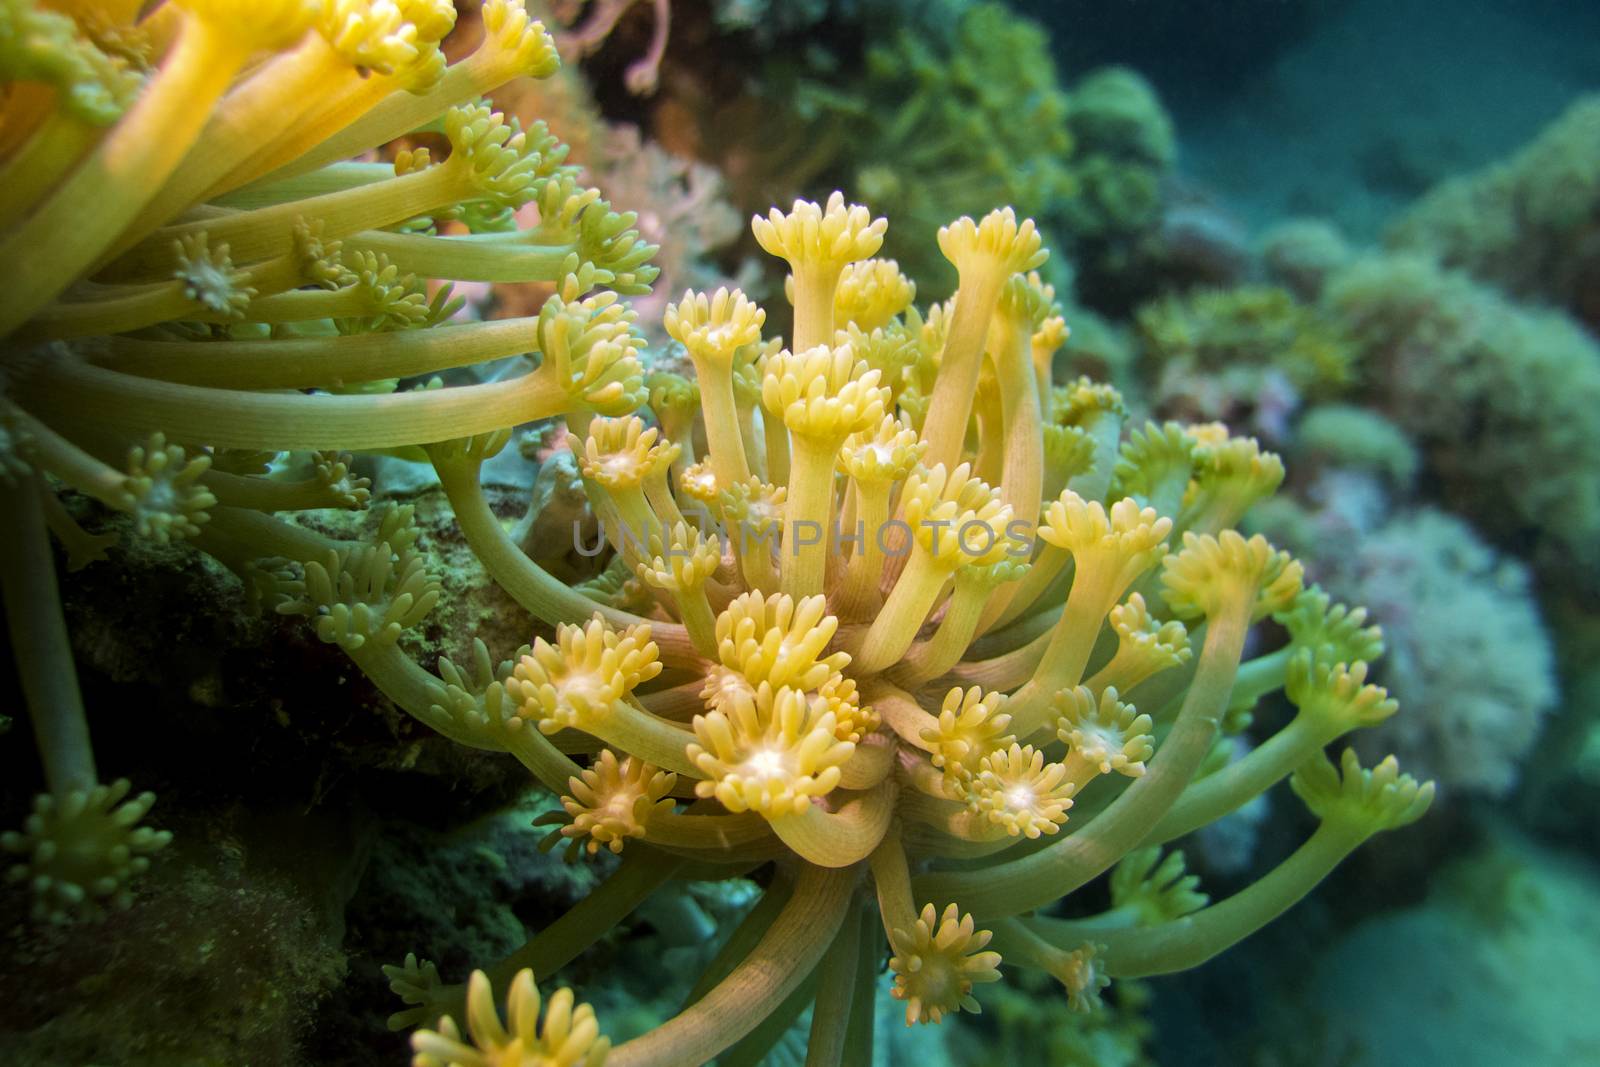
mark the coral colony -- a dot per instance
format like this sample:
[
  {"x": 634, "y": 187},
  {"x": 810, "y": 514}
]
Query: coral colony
[{"x": 915, "y": 741}]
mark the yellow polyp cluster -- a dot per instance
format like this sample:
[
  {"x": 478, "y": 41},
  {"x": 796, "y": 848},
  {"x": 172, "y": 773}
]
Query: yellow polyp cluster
[
  {"x": 699, "y": 483},
  {"x": 621, "y": 453},
  {"x": 1209, "y": 569},
  {"x": 1018, "y": 791},
  {"x": 681, "y": 562},
  {"x": 365, "y": 596},
  {"x": 576, "y": 680},
  {"x": 853, "y": 720},
  {"x": 1082, "y": 979},
  {"x": 591, "y": 352},
  {"x": 884, "y": 455},
  {"x": 936, "y": 963},
  {"x": 163, "y": 492},
  {"x": 752, "y": 507},
  {"x": 825, "y": 393},
  {"x": 998, "y": 243},
  {"x": 1231, "y": 475},
  {"x": 1362, "y": 801},
  {"x": 1126, "y": 541},
  {"x": 780, "y": 641},
  {"x": 713, "y": 328},
  {"x": 1077, "y": 401},
  {"x": 883, "y": 593},
  {"x": 1104, "y": 732},
  {"x": 957, "y": 519},
  {"x": 969, "y": 727},
  {"x": 382, "y": 38},
  {"x": 771, "y": 752},
  {"x": 79, "y": 851},
  {"x": 1336, "y": 692},
  {"x": 209, "y": 278},
  {"x": 567, "y": 1036},
  {"x": 820, "y": 238},
  {"x": 871, "y": 293},
  {"x": 1151, "y": 643},
  {"x": 611, "y": 801}
]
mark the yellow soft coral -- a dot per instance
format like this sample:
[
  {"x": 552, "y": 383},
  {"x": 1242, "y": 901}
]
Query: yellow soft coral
[{"x": 865, "y": 620}]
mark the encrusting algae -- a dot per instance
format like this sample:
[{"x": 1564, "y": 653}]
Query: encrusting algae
[{"x": 929, "y": 641}]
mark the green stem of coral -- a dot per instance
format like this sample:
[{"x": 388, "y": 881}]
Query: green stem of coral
[
  {"x": 869, "y": 764},
  {"x": 1061, "y": 666},
  {"x": 1025, "y": 593},
  {"x": 1260, "y": 676},
  {"x": 56, "y": 243},
  {"x": 413, "y": 689},
  {"x": 83, "y": 548},
  {"x": 1022, "y": 484},
  {"x": 269, "y": 231},
  {"x": 950, "y": 407},
  {"x": 988, "y": 463},
  {"x": 274, "y": 98},
  {"x": 751, "y": 929},
  {"x": 830, "y": 1013},
  {"x": 1105, "y": 427},
  {"x": 813, "y": 307},
  {"x": 38, "y": 166},
  {"x": 926, "y": 660},
  {"x": 776, "y": 438},
  {"x": 656, "y": 741},
  {"x": 1190, "y": 941},
  {"x": 1242, "y": 781},
  {"x": 1009, "y": 669},
  {"x": 903, "y": 614},
  {"x": 641, "y": 873},
  {"x": 900, "y": 712},
  {"x": 349, "y": 126},
  {"x": 891, "y": 877},
  {"x": 64, "y": 459},
  {"x": 843, "y": 837},
  {"x": 270, "y": 494},
  {"x": 720, "y": 412},
  {"x": 1126, "y": 669},
  {"x": 803, "y": 567},
  {"x": 271, "y": 422},
  {"x": 753, "y": 1049},
  {"x": 864, "y": 993},
  {"x": 40, "y": 646},
  {"x": 690, "y": 831},
  {"x": 699, "y": 621},
  {"x": 1020, "y": 946},
  {"x": 858, "y": 595},
  {"x": 790, "y": 950},
  {"x": 530, "y": 255}
]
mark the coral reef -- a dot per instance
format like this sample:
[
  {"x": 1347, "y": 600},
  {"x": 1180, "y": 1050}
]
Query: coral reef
[
  {"x": 1466, "y": 647},
  {"x": 1300, "y": 254},
  {"x": 1246, "y": 356},
  {"x": 1529, "y": 225},
  {"x": 942, "y": 116},
  {"x": 1513, "y": 913},
  {"x": 1355, "y": 438},
  {"x": 1489, "y": 391},
  {"x": 986, "y": 123},
  {"x": 1006, "y": 681}
]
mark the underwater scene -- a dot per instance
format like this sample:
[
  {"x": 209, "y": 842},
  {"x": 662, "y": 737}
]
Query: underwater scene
[{"x": 812, "y": 533}]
